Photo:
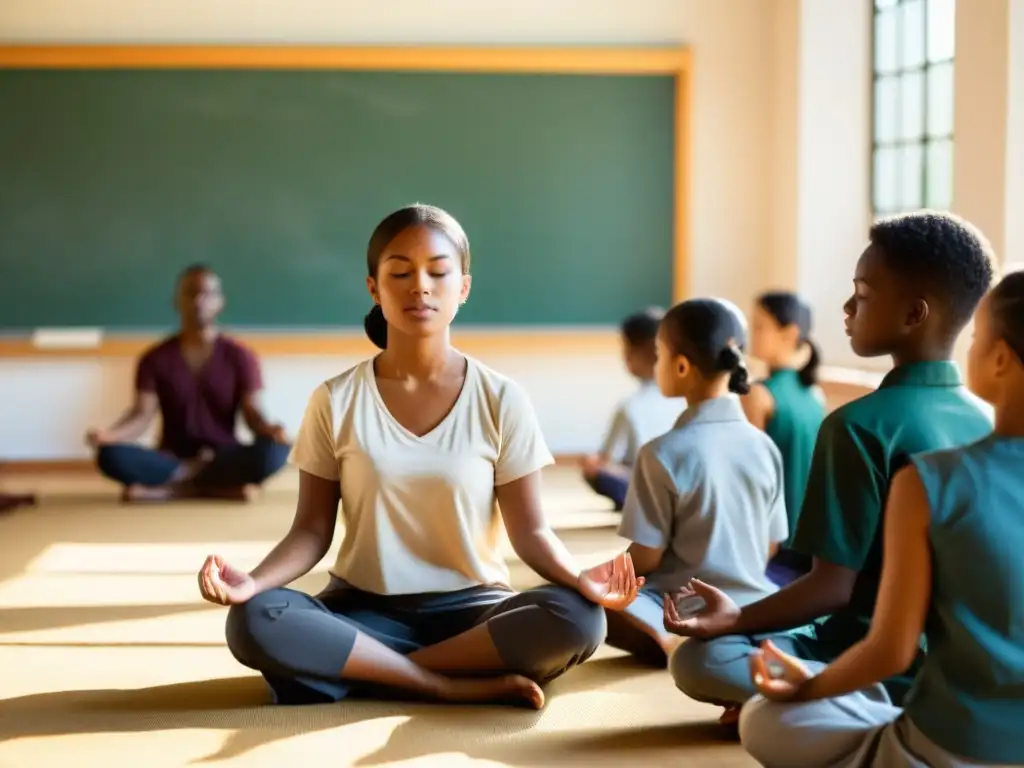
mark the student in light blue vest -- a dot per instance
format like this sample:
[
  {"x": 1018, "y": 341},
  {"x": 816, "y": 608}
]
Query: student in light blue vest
[{"x": 953, "y": 570}]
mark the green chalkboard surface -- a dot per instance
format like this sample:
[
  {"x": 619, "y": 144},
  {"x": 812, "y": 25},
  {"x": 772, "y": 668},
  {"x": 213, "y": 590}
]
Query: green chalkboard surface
[{"x": 112, "y": 180}]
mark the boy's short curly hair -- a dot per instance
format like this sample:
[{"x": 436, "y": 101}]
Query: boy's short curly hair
[{"x": 949, "y": 257}]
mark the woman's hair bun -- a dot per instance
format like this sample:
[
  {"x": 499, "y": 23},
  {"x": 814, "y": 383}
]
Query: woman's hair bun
[{"x": 376, "y": 327}]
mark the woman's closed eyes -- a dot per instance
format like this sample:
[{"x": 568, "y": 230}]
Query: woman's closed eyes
[{"x": 435, "y": 275}]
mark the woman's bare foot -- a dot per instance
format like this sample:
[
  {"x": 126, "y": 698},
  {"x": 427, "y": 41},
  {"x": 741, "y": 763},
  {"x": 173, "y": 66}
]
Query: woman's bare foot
[
  {"x": 510, "y": 689},
  {"x": 134, "y": 494},
  {"x": 189, "y": 468}
]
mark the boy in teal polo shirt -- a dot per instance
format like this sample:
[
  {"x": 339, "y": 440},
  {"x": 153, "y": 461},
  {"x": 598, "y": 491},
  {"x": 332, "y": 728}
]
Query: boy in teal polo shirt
[
  {"x": 952, "y": 510},
  {"x": 915, "y": 289}
]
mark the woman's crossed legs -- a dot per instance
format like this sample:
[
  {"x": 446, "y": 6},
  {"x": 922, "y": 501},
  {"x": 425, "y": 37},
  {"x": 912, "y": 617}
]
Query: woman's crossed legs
[{"x": 478, "y": 644}]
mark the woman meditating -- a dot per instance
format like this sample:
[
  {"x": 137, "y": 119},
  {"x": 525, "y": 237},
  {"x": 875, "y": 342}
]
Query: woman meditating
[{"x": 422, "y": 446}]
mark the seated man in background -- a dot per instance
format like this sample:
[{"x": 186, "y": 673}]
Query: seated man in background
[{"x": 199, "y": 381}]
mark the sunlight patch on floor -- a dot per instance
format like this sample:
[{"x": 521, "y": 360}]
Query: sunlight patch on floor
[
  {"x": 142, "y": 557},
  {"x": 109, "y": 657}
]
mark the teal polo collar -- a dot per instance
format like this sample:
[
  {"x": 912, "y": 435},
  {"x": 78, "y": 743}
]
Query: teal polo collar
[{"x": 935, "y": 373}]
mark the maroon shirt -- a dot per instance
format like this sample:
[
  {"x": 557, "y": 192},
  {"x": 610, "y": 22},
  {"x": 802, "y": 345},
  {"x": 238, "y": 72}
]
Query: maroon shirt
[{"x": 199, "y": 409}]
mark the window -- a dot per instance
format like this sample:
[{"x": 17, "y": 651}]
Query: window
[{"x": 912, "y": 148}]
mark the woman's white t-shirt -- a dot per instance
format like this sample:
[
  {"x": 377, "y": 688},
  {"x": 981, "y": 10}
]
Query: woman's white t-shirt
[{"x": 419, "y": 513}]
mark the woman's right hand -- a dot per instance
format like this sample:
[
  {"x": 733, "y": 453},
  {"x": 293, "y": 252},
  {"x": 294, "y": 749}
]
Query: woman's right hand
[{"x": 223, "y": 584}]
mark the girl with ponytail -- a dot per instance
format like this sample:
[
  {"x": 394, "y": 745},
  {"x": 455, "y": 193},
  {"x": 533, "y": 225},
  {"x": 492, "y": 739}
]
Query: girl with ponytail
[
  {"x": 788, "y": 405},
  {"x": 706, "y": 499}
]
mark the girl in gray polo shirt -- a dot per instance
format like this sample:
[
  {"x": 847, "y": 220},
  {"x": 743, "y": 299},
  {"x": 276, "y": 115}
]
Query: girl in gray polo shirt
[{"x": 707, "y": 499}]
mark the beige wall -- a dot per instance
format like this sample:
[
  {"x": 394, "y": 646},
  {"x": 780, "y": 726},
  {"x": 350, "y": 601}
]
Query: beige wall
[
  {"x": 1014, "y": 244},
  {"x": 989, "y": 127},
  {"x": 833, "y": 172},
  {"x": 820, "y": 158},
  {"x": 784, "y": 111}
]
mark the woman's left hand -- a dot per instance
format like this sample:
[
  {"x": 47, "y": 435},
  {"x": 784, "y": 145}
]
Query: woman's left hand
[
  {"x": 777, "y": 675},
  {"x": 613, "y": 584}
]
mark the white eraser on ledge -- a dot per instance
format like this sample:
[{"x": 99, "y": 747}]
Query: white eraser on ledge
[{"x": 67, "y": 338}]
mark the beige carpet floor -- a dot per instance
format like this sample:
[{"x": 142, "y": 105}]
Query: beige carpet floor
[{"x": 108, "y": 657}]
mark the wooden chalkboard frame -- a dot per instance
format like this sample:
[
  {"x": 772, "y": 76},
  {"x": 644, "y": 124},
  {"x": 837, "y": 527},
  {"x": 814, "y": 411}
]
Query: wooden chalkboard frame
[{"x": 675, "y": 62}]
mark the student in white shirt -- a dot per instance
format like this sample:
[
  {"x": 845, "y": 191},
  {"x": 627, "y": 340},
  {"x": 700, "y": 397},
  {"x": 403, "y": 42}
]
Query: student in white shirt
[
  {"x": 639, "y": 418},
  {"x": 707, "y": 499},
  {"x": 421, "y": 446}
]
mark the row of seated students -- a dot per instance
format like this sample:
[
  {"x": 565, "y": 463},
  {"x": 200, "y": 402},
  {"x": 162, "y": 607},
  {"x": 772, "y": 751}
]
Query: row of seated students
[
  {"x": 432, "y": 451},
  {"x": 882, "y": 647},
  {"x": 787, "y": 404}
]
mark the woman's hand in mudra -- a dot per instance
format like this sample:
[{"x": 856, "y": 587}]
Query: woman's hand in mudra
[
  {"x": 613, "y": 584},
  {"x": 223, "y": 584}
]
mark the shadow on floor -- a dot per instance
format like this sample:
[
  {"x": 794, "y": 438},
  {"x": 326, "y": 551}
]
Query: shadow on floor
[{"x": 508, "y": 735}]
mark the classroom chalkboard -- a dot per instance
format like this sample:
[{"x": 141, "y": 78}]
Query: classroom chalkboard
[{"x": 111, "y": 181}]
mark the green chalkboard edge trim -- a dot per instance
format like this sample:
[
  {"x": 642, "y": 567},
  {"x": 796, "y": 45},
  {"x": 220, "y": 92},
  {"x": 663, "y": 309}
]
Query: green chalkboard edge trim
[
  {"x": 562, "y": 340},
  {"x": 583, "y": 60}
]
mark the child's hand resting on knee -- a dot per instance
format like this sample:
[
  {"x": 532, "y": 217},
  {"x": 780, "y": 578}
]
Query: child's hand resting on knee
[
  {"x": 223, "y": 584},
  {"x": 777, "y": 675},
  {"x": 714, "y": 619}
]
